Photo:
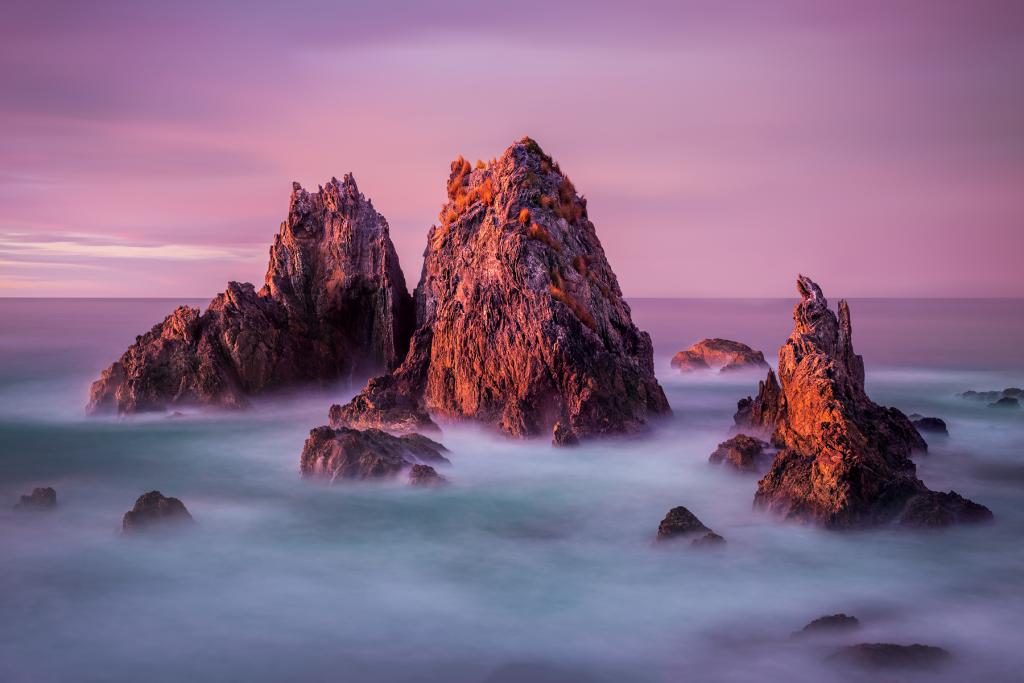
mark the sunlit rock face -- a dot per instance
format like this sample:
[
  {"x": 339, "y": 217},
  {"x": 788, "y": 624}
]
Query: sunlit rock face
[
  {"x": 520, "y": 320},
  {"x": 724, "y": 355},
  {"x": 844, "y": 460},
  {"x": 334, "y": 302}
]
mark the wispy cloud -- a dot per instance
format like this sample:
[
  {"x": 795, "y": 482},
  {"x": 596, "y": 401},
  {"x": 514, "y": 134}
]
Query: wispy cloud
[{"x": 18, "y": 247}]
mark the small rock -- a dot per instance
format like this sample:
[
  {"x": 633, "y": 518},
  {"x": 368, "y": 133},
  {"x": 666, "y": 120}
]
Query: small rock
[
  {"x": 931, "y": 425},
  {"x": 742, "y": 452},
  {"x": 937, "y": 509},
  {"x": 680, "y": 522},
  {"x": 365, "y": 454},
  {"x": 426, "y": 476},
  {"x": 889, "y": 656},
  {"x": 153, "y": 510},
  {"x": 1005, "y": 402},
  {"x": 723, "y": 354},
  {"x": 40, "y": 499},
  {"x": 710, "y": 539},
  {"x": 832, "y": 623}
]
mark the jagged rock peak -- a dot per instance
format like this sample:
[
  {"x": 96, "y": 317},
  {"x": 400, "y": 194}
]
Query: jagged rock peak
[
  {"x": 843, "y": 460},
  {"x": 333, "y": 303},
  {"x": 520, "y": 320}
]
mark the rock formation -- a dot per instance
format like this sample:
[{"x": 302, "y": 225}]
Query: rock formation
[
  {"x": 890, "y": 656},
  {"x": 833, "y": 623},
  {"x": 365, "y": 454},
  {"x": 333, "y": 303},
  {"x": 425, "y": 476},
  {"x": 724, "y": 354},
  {"x": 680, "y": 523},
  {"x": 743, "y": 453},
  {"x": 992, "y": 396},
  {"x": 520, "y": 320},
  {"x": 1005, "y": 402},
  {"x": 844, "y": 461},
  {"x": 931, "y": 425},
  {"x": 154, "y": 510},
  {"x": 40, "y": 499}
]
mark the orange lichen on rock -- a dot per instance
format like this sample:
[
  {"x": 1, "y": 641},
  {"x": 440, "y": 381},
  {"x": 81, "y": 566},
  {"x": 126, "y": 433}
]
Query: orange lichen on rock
[{"x": 540, "y": 233}]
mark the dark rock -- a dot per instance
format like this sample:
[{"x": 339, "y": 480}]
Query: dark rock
[
  {"x": 743, "y": 453},
  {"x": 333, "y": 303},
  {"x": 993, "y": 395},
  {"x": 889, "y": 656},
  {"x": 681, "y": 523},
  {"x": 934, "y": 509},
  {"x": 426, "y": 476},
  {"x": 154, "y": 510},
  {"x": 832, "y": 623},
  {"x": 1005, "y": 402},
  {"x": 40, "y": 499},
  {"x": 710, "y": 539},
  {"x": 724, "y": 354},
  {"x": 931, "y": 425},
  {"x": 520, "y": 320},
  {"x": 843, "y": 460},
  {"x": 365, "y": 454}
]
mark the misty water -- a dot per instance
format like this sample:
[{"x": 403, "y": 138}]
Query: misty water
[{"x": 536, "y": 564}]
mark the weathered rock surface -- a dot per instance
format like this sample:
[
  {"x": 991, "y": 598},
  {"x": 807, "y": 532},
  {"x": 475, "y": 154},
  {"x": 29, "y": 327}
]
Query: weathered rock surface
[
  {"x": 425, "y": 476},
  {"x": 890, "y": 656},
  {"x": 520, "y": 320},
  {"x": 333, "y": 302},
  {"x": 833, "y": 623},
  {"x": 930, "y": 425},
  {"x": 154, "y": 510},
  {"x": 44, "y": 498},
  {"x": 365, "y": 454},
  {"x": 680, "y": 523},
  {"x": 724, "y": 354},
  {"x": 843, "y": 460},
  {"x": 743, "y": 453}
]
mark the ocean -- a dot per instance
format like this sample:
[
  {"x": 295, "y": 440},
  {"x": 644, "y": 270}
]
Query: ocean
[{"x": 536, "y": 564}]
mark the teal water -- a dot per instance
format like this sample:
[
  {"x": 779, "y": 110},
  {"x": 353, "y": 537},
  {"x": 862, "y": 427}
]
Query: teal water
[{"x": 535, "y": 565}]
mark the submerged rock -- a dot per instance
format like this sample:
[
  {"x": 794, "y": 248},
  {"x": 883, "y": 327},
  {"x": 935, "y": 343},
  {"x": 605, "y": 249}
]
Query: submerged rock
[
  {"x": 425, "y": 476},
  {"x": 520, "y": 321},
  {"x": 833, "y": 623},
  {"x": 723, "y": 354},
  {"x": 1005, "y": 402},
  {"x": 931, "y": 425},
  {"x": 44, "y": 498},
  {"x": 743, "y": 453},
  {"x": 843, "y": 460},
  {"x": 333, "y": 302},
  {"x": 347, "y": 453},
  {"x": 680, "y": 523},
  {"x": 154, "y": 510},
  {"x": 890, "y": 656}
]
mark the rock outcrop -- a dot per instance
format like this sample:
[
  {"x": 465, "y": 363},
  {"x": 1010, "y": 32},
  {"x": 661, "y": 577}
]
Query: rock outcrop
[
  {"x": 520, "y": 320},
  {"x": 365, "y": 454},
  {"x": 992, "y": 396},
  {"x": 930, "y": 425},
  {"x": 833, "y": 623},
  {"x": 680, "y": 523},
  {"x": 890, "y": 656},
  {"x": 844, "y": 460},
  {"x": 724, "y": 354},
  {"x": 425, "y": 476},
  {"x": 333, "y": 303},
  {"x": 154, "y": 510},
  {"x": 1006, "y": 402},
  {"x": 44, "y": 498},
  {"x": 743, "y": 453}
]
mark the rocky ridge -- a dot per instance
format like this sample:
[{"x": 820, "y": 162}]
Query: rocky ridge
[{"x": 333, "y": 303}]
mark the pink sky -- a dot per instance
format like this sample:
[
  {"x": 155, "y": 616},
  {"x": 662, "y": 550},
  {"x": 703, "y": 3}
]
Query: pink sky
[{"x": 148, "y": 149}]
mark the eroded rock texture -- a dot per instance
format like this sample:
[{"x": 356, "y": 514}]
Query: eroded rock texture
[
  {"x": 724, "y": 354},
  {"x": 844, "y": 460},
  {"x": 333, "y": 302},
  {"x": 365, "y": 454},
  {"x": 520, "y": 320}
]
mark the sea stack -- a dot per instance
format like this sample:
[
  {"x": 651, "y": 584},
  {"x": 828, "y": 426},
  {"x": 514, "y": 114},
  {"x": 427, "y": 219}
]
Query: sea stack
[
  {"x": 520, "y": 320},
  {"x": 724, "y": 355},
  {"x": 843, "y": 460},
  {"x": 333, "y": 303}
]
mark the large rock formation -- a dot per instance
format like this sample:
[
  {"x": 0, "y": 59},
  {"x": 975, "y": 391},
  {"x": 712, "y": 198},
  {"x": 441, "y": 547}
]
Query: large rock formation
[
  {"x": 365, "y": 454},
  {"x": 724, "y": 354},
  {"x": 334, "y": 303},
  {"x": 844, "y": 460},
  {"x": 520, "y": 320}
]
